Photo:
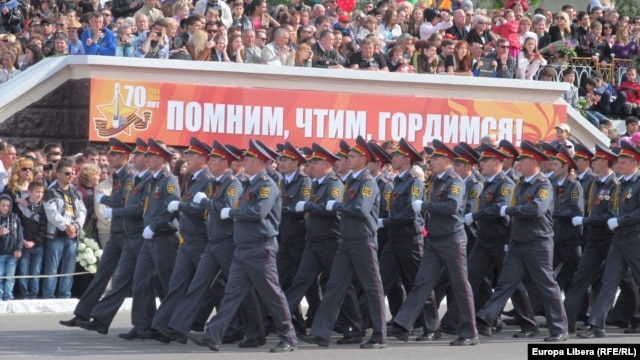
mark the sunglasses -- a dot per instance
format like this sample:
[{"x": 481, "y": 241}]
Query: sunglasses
[
  {"x": 212, "y": 31},
  {"x": 504, "y": 46},
  {"x": 54, "y": 161},
  {"x": 26, "y": 169},
  {"x": 607, "y": 28},
  {"x": 559, "y": 18},
  {"x": 61, "y": 24},
  {"x": 68, "y": 173},
  {"x": 260, "y": 38}
]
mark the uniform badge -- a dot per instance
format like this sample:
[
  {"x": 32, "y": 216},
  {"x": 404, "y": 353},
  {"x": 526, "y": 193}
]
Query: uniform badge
[
  {"x": 248, "y": 195},
  {"x": 543, "y": 194},
  {"x": 156, "y": 194},
  {"x": 188, "y": 195},
  {"x": 335, "y": 192},
  {"x": 117, "y": 186},
  {"x": 455, "y": 189},
  {"x": 231, "y": 191},
  {"x": 387, "y": 195},
  {"x": 265, "y": 192},
  {"x": 136, "y": 190},
  {"x": 171, "y": 188},
  {"x": 505, "y": 191},
  {"x": 415, "y": 191},
  {"x": 575, "y": 195},
  {"x": 352, "y": 194},
  {"x": 489, "y": 196},
  {"x": 474, "y": 194},
  {"x": 366, "y": 191},
  {"x": 128, "y": 186},
  {"x": 306, "y": 191}
]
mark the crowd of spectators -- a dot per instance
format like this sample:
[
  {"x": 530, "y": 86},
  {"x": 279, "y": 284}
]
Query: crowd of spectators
[{"x": 431, "y": 37}]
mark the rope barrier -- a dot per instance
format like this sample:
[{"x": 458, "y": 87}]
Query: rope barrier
[{"x": 41, "y": 276}]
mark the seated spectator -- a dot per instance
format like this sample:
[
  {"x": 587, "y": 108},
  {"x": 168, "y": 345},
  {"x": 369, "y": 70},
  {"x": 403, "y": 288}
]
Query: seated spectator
[
  {"x": 398, "y": 62},
  {"x": 524, "y": 31},
  {"x": 594, "y": 100},
  {"x": 8, "y": 71},
  {"x": 417, "y": 18},
  {"x": 278, "y": 52},
  {"x": 631, "y": 89},
  {"x": 458, "y": 29},
  {"x": 199, "y": 47},
  {"x": 529, "y": 60},
  {"x": 154, "y": 43},
  {"x": 261, "y": 18},
  {"x": 367, "y": 59},
  {"x": 631, "y": 124},
  {"x": 460, "y": 62},
  {"x": 571, "y": 95},
  {"x": 343, "y": 26},
  {"x": 235, "y": 51},
  {"x": 97, "y": 39},
  {"x": 389, "y": 29},
  {"x": 324, "y": 54},
  {"x": 304, "y": 54},
  {"x": 540, "y": 29},
  {"x": 548, "y": 74},
  {"x": 370, "y": 27},
  {"x": 504, "y": 65},
  {"x": 252, "y": 53},
  {"x": 218, "y": 52},
  {"x": 562, "y": 29},
  {"x": 603, "y": 50},
  {"x": 142, "y": 24},
  {"x": 33, "y": 54}
]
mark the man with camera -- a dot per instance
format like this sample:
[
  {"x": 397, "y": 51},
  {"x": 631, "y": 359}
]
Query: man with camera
[
  {"x": 154, "y": 44},
  {"x": 324, "y": 55},
  {"x": 97, "y": 39}
]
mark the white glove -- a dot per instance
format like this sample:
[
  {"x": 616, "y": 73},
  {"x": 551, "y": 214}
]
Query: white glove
[
  {"x": 380, "y": 224},
  {"x": 330, "y": 204},
  {"x": 176, "y": 224},
  {"x": 577, "y": 220},
  {"x": 613, "y": 223},
  {"x": 503, "y": 210},
  {"x": 506, "y": 247},
  {"x": 99, "y": 197},
  {"x": 417, "y": 205},
  {"x": 147, "y": 233},
  {"x": 199, "y": 197},
  {"x": 107, "y": 213},
  {"x": 224, "y": 213},
  {"x": 300, "y": 206},
  {"x": 173, "y": 206},
  {"x": 468, "y": 219}
]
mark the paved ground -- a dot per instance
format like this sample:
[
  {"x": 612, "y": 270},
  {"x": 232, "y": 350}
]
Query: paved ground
[{"x": 39, "y": 336}]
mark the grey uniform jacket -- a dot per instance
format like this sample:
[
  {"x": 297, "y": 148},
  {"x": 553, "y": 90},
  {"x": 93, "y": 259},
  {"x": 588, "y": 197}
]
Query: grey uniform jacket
[
  {"x": 493, "y": 228},
  {"x": 445, "y": 205},
  {"x": 403, "y": 223},
  {"x": 292, "y": 225},
  {"x": 161, "y": 190},
  {"x": 133, "y": 208},
  {"x": 628, "y": 208},
  {"x": 360, "y": 208},
  {"x": 122, "y": 184},
  {"x": 323, "y": 224},
  {"x": 193, "y": 223},
  {"x": 223, "y": 193},
  {"x": 532, "y": 214},
  {"x": 599, "y": 209},
  {"x": 568, "y": 202}
]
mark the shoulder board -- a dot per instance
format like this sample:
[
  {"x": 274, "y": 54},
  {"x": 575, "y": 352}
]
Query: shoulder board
[
  {"x": 166, "y": 174},
  {"x": 571, "y": 180},
  {"x": 615, "y": 180},
  {"x": 474, "y": 180},
  {"x": 208, "y": 176},
  {"x": 542, "y": 178},
  {"x": 334, "y": 177},
  {"x": 452, "y": 175},
  {"x": 413, "y": 173},
  {"x": 383, "y": 179},
  {"x": 303, "y": 175},
  {"x": 502, "y": 177},
  {"x": 368, "y": 177},
  {"x": 265, "y": 178},
  {"x": 232, "y": 177}
]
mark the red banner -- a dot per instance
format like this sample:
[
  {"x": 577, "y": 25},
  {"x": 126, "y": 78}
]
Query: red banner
[{"x": 174, "y": 113}]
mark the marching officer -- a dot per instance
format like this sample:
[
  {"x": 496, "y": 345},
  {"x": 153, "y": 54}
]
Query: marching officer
[
  {"x": 193, "y": 230},
  {"x": 493, "y": 236},
  {"x": 158, "y": 252},
  {"x": 323, "y": 239},
  {"x": 295, "y": 187},
  {"x": 404, "y": 226},
  {"x": 530, "y": 248},
  {"x": 585, "y": 176},
  {"x": 624, "y": 251},
  {"x": 341, "y": 166},
  {"x": 546, "y": 166},
  {"x": 131, "y": 212},
  {"x": 599, "y": 210},
  {"x": 256, "y": 220},
  {"x": 508, "y": 165},
  {"x": 356, "y": 254},
  {"x": 236, "y": 164},
  {"x": 463, "y": 166},
  {"x": 445, "y": 249},
  {"x": 123, "y": 175},
  {"x": 273, "y": 156},
  {"x": 223, "y": 190}
]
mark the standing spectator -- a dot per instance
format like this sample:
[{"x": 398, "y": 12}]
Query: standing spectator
[
  {"x": 125, "y": 43},
  {"x": 124, "y": 8},
  {"x": 389, "y": 29},
  {"x": 458, "y": 29},
  {"x": 479, "y": 32},
  {"x": 11, "y": 242},
  {"x": 507, "y": 28},
  {"x": 34, "y": 224},
  {"x": 239, "y": 19},
  {"x": 75, "y": 44},
  {"x": 278, "y": 52},
  {"x": 105, "y": 187},
  {"x": 260, "y": 17},
  {"x": 503, "y": 64},
  {"x": 562, "y": 29},
  {"x": 433, "y": 24},
  {"x": 66, "y": 215},
  {"x": 97, "y": 39},
  {"x": 142, "y": 24},
  {"x": 33, "y": 54},
  {"x": 91, "y": 6},
  {"x": 18, "y": 183},
  {"x": 367, "y": 59},
  {"x": 203, "y": 7},
  {"x": 149, "y": 9},
  {"x": 154, "y": 44},
  {"x": 60, "y": 44}
]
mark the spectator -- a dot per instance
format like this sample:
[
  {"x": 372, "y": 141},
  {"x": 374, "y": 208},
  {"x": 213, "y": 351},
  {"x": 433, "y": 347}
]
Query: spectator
[
  {"x": 149, "y": 9},
  {"x": 370, "y": 27},
  {"x": 126, "y": 41},
  {"x": 631, "y": 89},
  {"x": 219, "y": 52},
  {"x": 238, "y": 18},
  {"x": 253, "y": 54},
  {"x": 458, "y": 30},
  {"x": 507, "y": 28},
  {"x": 10, "y": 20},
  {"x": 529, "y": 60},
  {"x": 180, "y": 11},
  {"x": 586, "y": 44},
  {"x": 563, "y": 133},
  {"x": 97, "y": 39},
  {"x": 324, "y": 55},
  {"x": 504, "y": 66},
  {"x": 562, "y": 28},
  {"x": 631, "y": 124},
  {"x": 34, "y": 224},
  {"x": 303, "y": 56},
  {"x": 366, "y": 59},
  {"x": 88, "y": 179},
  {"x": 203, "y": 7},
  {"x": 460, "y": 61},
  {"x": 8, "y": 70},
  {"x": 417, "y": 18},
  {"x": 91, "y": 6},
  {"x": 73, "y": 34},
  {"x": 199, "y": 47},
  {"x": 480, "y": 34},
  {"x": 571, "y": 95},
  {"x": 60, "y": 44},
  {"x": 11, "y": 243},
  {"x": 594, "y": 99},
  {"x": 625, "y": 48},
  {"x": 104, "y": 187},
  {"x": 65, "y": 215},
  {"x": 540, "y": 29},
  {"x": 235, "y": 51},
  {"x": 432, "y": 23},
  {"x": 389, "y": 29},
  {"x": 154, "y": 43},
  {"x": 602, "y": 49},
  {"x": 548, "y": 74},
  {"x": 608, "y": 33},
  {"x": 18, "y": 183},
  {"x": 142, "y": 24},
  {"x": 278, "y": 52},
  {"x": 124, "y": 8}
]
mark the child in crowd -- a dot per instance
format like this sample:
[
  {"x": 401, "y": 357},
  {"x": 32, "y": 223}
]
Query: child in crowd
[
  {"x": 10, "y": 246},
  {"x": 34, "y": 223}
]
